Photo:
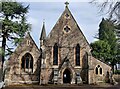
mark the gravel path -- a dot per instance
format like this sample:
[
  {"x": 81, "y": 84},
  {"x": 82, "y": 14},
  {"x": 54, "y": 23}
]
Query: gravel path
[{"x": 65, "y": 87}]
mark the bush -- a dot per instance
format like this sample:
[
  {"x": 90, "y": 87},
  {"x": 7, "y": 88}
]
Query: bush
[{"x": 117, "y": 71}]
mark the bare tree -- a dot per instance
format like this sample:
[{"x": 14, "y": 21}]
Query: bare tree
[{"x": 110, "y": 7}]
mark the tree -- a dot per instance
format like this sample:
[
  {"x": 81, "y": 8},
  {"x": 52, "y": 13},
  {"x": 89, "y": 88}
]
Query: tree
[
  {"x": 110, "y": 7},
  {"x": 100, "y": 50},
  {"x": 13, "y": 25},
  {"x": 107, "y": 32},
  {"x": 106, "y": 35}
]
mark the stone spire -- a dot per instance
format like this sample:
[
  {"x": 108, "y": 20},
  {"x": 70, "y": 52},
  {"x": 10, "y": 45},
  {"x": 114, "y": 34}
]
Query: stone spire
[{"x": 43, "y": 33}]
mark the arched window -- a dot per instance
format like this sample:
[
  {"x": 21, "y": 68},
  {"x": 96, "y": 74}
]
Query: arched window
[
  {"x": 55, "y": 54},
  {"x": 77, "y": 55},
  {"x": 98, "y": 70},
  {"x": 27, "y": 62}
]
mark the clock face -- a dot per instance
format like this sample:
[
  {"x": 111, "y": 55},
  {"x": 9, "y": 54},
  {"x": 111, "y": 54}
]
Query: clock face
[{"x": 66, "y": 29}]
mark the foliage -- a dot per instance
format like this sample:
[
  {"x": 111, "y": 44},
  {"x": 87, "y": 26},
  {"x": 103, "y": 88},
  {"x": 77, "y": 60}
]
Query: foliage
[
  {"x": 117, "y": 71},
  {"x": 107, "y": 47},
  {"x": 106, "y": 30},
  {"x": 107, "y": 33},
  {"x": 13, "y": 23},
  {"x": 100, "y": 50}
]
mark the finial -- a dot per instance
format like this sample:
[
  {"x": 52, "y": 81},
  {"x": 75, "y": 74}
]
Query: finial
[
  {"x": 43, "y": 21},
  {"x": 66, "y": 3}
]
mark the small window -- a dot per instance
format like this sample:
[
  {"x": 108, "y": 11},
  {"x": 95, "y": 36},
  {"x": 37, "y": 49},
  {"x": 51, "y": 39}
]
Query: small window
[
  {"x": 77, "y": 55},
  {"x": 55, "y": 54},
  {"x": 67, "y": 29},
  {"x": 98, "y": 70},
  {"x": 67, "y": 16},
  {"x": 28, "y": 42}
]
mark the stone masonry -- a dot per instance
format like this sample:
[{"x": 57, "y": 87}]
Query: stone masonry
[{"x": 64, "y": 57}]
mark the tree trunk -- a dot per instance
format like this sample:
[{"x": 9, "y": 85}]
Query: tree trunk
[
  {"x": 116, "y": 67},
  {"x": 3, "y": 54}
]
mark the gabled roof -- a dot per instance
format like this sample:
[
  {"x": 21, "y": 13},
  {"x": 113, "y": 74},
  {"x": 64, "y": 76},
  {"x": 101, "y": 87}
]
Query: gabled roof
[
  {"x": 67, "y": 9},
  {"x": 28, "y": 35},
  {"x": 22, "y": 44},
  {"x": 61, "y": 20}
]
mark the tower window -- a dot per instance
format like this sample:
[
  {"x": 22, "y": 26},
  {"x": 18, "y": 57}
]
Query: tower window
[
  {"x": 55, "y": 54},
  {"x": 27, "y": 63},
  {"x": 77, "y": 55}
]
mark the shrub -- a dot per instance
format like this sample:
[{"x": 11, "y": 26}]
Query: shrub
[{"x": 117, "y": 71}]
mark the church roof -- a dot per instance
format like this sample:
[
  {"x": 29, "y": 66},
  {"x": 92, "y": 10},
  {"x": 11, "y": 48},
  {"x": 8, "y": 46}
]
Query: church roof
[
  {"x": 70, "y": 21},
  {"x": 68, "y": 11},
  {"x": 29, "y": 36},
  {"x": 21, "y": 47}
]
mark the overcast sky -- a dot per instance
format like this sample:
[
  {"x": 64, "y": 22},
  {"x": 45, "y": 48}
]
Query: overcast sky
[{"x": 85, "y": 14}]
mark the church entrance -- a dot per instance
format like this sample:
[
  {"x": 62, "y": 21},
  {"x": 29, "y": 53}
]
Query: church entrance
[{"x": 66, "y": 76}]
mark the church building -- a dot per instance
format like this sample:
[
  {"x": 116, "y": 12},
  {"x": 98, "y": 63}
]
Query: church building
[{"x": 64, "y": 57}]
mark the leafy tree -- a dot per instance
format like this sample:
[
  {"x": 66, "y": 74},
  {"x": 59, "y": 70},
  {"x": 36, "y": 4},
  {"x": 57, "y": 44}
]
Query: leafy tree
[
  {"x": 108, "y": 35},
  {"x": 13, "y": 25},
  {"x": 100, "y": 50}
]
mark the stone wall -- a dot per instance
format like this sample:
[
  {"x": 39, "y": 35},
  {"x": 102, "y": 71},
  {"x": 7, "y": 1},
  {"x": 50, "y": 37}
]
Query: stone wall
[
  {"x": 66, "y": 41},
  {"x": 117, "y": 77},
  {"x": 98, "y": 77},
  {"x": 14, "y": 73}
]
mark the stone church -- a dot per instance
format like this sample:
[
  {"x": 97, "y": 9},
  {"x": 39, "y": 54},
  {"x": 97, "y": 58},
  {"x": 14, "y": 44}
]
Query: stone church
[{"x": 64, "y": 57}]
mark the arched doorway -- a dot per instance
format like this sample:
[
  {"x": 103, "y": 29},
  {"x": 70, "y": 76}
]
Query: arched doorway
[{"x": 66, "y": 76}]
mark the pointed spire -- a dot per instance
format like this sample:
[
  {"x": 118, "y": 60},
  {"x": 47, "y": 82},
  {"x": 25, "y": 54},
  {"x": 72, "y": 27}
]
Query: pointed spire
[{"x": 43, "y": 33}]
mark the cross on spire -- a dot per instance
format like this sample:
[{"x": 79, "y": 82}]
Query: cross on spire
[
  {"x": 66, "y": 3},
  {"x": 43, "y": 21}
]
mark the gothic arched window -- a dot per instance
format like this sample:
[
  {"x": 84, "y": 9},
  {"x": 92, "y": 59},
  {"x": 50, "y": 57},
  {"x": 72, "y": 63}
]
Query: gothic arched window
[
  {"x": 55, "y": 54},
  {"x": 77, "y": 55},
  {"x": 98, "y": 70},
  {"x": 27, "y": 62}
]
